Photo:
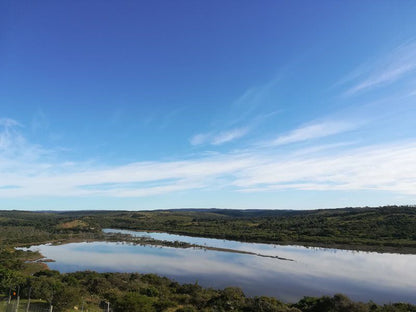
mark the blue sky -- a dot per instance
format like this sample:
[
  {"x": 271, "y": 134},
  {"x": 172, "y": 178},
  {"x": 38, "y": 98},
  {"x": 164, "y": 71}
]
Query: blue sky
[{"x": 233, "y": 104}]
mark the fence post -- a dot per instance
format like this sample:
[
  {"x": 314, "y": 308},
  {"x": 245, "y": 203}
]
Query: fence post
[
  {"x": 18, "y": 298},
  {"x": 28, "y": 300}
]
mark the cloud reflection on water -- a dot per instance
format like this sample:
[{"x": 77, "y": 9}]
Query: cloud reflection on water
[{"x": 361, "y": 275}]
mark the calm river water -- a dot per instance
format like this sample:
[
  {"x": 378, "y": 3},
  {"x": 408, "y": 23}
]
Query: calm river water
[{"x": 362, "y": 276}]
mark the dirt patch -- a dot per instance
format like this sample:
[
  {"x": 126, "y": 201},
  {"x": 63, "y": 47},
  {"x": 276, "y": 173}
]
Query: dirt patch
[{"x": 75, "y": 224}]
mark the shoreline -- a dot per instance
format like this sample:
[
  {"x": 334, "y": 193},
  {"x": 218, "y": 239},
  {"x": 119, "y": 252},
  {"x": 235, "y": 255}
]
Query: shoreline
[
  {"x": 126, "y": 238},
  {"x": 310, "y": 245},
  {"x": 406, "y": 250}
]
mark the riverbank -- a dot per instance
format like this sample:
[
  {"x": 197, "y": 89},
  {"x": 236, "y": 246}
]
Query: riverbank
[
  {"x": 117, "y": 237},
  {"x": 342, "y": 246},
  {"x": 385, "y": 229}
]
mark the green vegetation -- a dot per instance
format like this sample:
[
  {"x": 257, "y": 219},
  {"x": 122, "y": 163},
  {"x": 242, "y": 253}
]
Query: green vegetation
[
  {"x": 386, "y": 228},
  {"x": 136, "y": 292},
  {"x": 25, "y": 228},
  {"x": 361, "y": 228}
]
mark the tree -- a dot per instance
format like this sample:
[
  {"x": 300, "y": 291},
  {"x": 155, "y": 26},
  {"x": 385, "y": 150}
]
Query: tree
[{"x": 133, "y": 302}]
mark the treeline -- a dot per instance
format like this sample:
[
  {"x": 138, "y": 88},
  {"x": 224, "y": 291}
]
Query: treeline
[
  {"x": 392, "y": 227},
  {"x": 383, "y": 228}
]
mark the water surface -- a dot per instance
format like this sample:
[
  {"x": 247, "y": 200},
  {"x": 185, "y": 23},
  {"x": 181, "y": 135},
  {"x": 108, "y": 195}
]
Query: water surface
[{"x": 362, "y": 276}]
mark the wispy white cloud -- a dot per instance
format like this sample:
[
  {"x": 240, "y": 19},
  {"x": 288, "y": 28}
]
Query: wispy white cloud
[
  {"x": 8, "y": 135},
  {"x": 14, "y": 146},
  {"x": 251, "y": 100},
  {"x": 314, "y": 149},
  {"x": 314, "y": 131},
  {"x": 385, "y": 168},
  {"x": 219, "y": 137},
  {"x": 227, "y": 136},
  {"x": 388, "y": 167},
  {"x": 151, "y": 177},
  {"x": 8, "y": 123},
  {"x": 200, "y": 138},
  {"x": 379, "y": 167},
  {"x": 254, "y": 106},
  {"x": 389, "y": 69},
  {"x": 40, "y": 121}
]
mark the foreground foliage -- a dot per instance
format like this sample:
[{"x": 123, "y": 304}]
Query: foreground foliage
[{"x": 135, "y": 292}]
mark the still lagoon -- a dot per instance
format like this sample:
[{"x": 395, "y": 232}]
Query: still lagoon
[{"x": 363, "y": 276}]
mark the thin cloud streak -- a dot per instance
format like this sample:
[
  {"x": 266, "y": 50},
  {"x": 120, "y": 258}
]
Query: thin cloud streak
[
  {"x": 401, "y": 62},
  {"x": 229, "y": 136},
  {"x": 314, "y": 131},
  {"x": 219, "y": 138},
  {"x": 239, "y": 119},
  {"x": 200, "y": 138},
  {"x": 251, "y": 100}
]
